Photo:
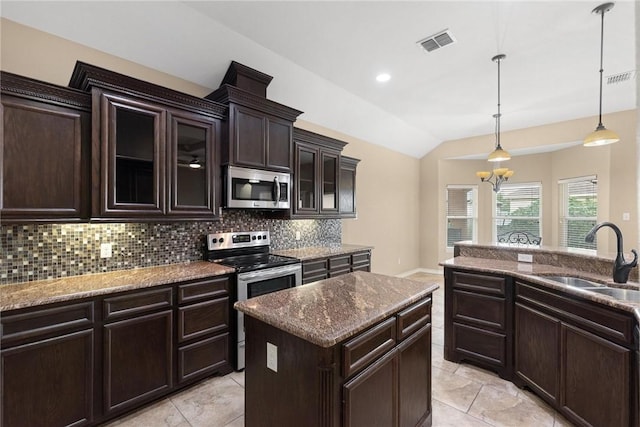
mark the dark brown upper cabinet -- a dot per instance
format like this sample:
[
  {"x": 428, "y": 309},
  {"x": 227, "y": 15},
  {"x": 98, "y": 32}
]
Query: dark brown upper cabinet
[
  {"x": 258, "y": 132},
  {"x": 348, "y": 166},
  {"x": 155, "y": 152},
  {"x": 44, "y": 151},
  {"x": 317, "y": 175}
]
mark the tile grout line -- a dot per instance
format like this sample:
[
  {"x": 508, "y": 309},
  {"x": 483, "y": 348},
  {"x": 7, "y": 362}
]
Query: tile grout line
[{"x": 180, "y": 412}]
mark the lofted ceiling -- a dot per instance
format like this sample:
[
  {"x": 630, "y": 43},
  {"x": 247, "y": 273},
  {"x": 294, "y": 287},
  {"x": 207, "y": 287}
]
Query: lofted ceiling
[{"x": 324, "y": 57}]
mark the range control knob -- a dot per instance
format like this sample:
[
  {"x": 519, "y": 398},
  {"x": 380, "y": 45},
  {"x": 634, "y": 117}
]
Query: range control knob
[
  {"x": 259, "y": 237},
  {"x": 220, "y": 240},
  {"x": 214, "y": 240},
  {"x": 264, "y": 237},
  {"x": 253, "y": 237}
]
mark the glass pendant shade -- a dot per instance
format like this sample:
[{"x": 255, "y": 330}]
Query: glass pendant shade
[
  {"x": 499, "y": 155},
  {"x": 601, "y": 136}
]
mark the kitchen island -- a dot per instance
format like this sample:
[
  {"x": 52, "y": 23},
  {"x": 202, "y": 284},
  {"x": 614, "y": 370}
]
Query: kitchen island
[{"x": 353, "y": 350}]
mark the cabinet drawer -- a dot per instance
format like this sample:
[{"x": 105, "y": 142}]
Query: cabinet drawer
[
  {"x": 203, "y": 357},
  {"x": 203, "y": 318},
  {"x": 214, "y": 288},
  {"x": 413, "y": 318},
  {"x": 314, "y": 270},
  {"x": 480, "y": 283},
  {"x": 605, "y": 322},
  {"x": 340, "y": 272},
  {"x": 481, "y": 310},
  {"x": 479, "y": 344},
  {"x": 361, "y": 258},
  {"x": 136, "y": 303},
  {"x": 48, "y": 322},
  {"x": 341, "y": 262},
  {"x": 368, "y": 346}
]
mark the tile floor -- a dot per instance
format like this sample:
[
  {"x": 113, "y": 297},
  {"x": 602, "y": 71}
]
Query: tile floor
[{"x": 463, "y": 395}]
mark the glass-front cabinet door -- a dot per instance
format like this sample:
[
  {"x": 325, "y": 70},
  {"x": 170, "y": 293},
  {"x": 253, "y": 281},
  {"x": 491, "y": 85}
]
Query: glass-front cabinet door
[
  {"x": 132, "y": 135},
  {"x": 306, "y": 180},
  {"x": 190, "y": 162},
  {"x": 348, "y": 167},
  {"x": 329, "y": 172}
]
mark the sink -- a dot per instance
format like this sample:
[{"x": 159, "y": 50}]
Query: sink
[
  {"x": 621, "y": 294},
  {"x": 576, "y": 282}
]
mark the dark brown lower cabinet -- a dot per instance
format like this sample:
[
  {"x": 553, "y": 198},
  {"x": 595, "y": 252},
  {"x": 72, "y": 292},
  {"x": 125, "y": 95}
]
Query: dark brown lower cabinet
[
  {"x": 414, "y": 378},
  {"x": 47, "y": 366},
  {"x": 322, "y": 268},
  {"x": 49, "y": 382},
  {"x": 579, "y": 356},
  {"x": 87, "y": 361},
  {"x": 138, "y": 363}
]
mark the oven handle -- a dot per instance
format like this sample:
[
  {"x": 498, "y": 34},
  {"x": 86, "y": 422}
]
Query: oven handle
[{"x": 269, "y": 273}]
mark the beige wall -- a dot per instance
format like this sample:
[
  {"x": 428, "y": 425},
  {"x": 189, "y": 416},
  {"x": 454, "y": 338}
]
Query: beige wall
[
  {"x": 615, "y": 166},
  {"x": 387, "y": 200}
]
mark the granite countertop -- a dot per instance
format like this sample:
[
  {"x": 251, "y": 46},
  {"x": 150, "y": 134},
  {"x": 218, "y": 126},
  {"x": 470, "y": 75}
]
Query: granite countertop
[
  {"x": 331, "y": 310},
  {"x": 535, "y": 273},
  {"x": 313, "y": 252},
  {"x": 27, "y": 294}
]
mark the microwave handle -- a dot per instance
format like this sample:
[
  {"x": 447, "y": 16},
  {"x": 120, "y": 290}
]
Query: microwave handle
[{"x": 276, "y": 186}]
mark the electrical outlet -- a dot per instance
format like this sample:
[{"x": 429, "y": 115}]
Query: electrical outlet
[
  {"x": 297, "y": 235},
  {"x": 525, "y": 258},
  {"x": 106, "y": 250},
  {"x": 626, "y": 216},
  {"x": 272, "y": 357}
]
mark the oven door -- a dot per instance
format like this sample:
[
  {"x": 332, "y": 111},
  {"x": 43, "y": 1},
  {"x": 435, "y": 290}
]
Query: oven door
[
  {"x": 258, "y": 189},
  {"x": 254, "y": 283}
]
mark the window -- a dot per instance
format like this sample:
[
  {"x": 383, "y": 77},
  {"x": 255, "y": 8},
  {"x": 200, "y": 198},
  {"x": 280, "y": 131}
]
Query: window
[
  {"x": 578, "y": 211},
  {"x": 517, "y": 208},
  {"x": 462, "y": 213}
]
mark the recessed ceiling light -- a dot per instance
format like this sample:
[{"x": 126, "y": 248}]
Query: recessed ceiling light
[{"x": 383, "y": 77}]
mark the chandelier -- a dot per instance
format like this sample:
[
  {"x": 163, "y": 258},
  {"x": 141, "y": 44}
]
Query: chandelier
[{"x": 498, "y": 175}]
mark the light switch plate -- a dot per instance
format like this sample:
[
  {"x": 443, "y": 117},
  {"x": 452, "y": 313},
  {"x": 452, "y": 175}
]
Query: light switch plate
[
  {"x": 106, "y": 250},
  {"x": 525, "y": 258},
  {"x": 272, "y": 357}
]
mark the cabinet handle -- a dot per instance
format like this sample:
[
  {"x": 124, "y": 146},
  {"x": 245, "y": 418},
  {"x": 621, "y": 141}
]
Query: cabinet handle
[{"x": 276, "y": 188}]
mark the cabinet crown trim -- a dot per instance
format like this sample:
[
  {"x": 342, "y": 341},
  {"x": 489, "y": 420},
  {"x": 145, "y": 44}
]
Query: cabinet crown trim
[
  {"x": 86, "y": 76},
  {"x": 227, "y": 94},
  {"x": 25, "y": 87},
  {"x": 301, "y": 135}
]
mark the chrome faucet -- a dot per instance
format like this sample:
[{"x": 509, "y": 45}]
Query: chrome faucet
[{"x": 621, "y": 268}]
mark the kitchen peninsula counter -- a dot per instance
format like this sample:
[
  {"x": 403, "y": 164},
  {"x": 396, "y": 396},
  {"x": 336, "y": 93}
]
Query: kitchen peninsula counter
[
  {"x": 349, "y": 350},
  {"x": 28, "y": 294}
]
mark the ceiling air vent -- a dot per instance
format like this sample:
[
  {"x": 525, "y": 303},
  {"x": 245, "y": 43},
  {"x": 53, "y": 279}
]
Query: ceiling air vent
[
  {"x": 438, "y": 40},
  {"x": 621, "y": 77}
]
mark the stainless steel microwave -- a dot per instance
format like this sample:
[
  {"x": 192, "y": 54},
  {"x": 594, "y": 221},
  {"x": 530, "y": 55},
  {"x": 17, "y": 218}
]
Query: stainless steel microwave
[{"x": 257, "y": 189}]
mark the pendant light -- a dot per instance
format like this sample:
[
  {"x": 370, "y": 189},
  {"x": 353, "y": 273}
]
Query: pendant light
[
  {"x": 602, "y": 135},
  {"x": 499, "y": 154}
]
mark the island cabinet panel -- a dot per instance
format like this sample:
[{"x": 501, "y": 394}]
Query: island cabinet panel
[
  {"x": 371, "y": 397},
  {"x": 44, "y": 141},
  {"x": 478, "y": 320},
  {"x": 47, "y": 362},
  {"x": 380, "y": 376},
  {"x": 361, "y": 261},
  {"x": 582, "y": 368}
]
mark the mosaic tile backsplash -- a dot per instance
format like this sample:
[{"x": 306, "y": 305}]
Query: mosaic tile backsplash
[{"x": 45, "y": 251}]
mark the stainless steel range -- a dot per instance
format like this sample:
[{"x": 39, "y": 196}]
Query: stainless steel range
[{"x": 257, "y": 271}]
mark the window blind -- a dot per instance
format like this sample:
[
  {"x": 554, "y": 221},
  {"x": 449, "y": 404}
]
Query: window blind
[
  {"x": 461, "y": 214},
  {"x": 578, "y": 211}
]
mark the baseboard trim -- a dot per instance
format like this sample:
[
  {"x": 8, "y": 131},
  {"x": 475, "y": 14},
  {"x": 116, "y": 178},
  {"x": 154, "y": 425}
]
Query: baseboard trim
[{"x": 420, "y": 270}]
